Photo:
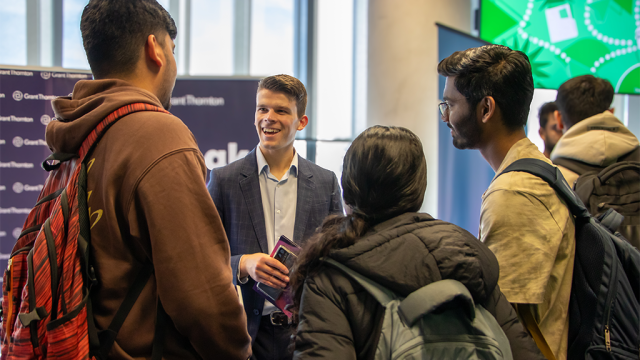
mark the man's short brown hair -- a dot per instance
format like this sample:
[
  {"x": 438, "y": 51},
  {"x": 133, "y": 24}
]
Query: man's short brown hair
[{"x": 288, "y": 85}]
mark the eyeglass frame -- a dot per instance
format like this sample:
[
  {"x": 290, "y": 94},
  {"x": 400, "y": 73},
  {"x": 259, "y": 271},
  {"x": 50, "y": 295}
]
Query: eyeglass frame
[{"x": 446, "y": 109}]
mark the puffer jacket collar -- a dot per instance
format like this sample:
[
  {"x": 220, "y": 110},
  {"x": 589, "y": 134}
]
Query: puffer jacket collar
[{"x": 413, "y": 250}]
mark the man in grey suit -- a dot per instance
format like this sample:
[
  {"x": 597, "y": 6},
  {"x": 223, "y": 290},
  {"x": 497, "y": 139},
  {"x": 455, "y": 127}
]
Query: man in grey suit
[{"x": 269, "y": 193}]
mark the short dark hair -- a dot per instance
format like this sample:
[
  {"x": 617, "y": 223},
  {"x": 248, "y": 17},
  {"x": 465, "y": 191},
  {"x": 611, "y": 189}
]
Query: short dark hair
[
  {"x": 288, "y": 85},
  {"x": 545, "y": 110},
  {"x": 582, "y": 97},
  {"x": 496, "y": 71},
  {"x": 114, "y": 33}
]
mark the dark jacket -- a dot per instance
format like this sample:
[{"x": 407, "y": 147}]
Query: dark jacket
[
  {"x": 148, "y": 200},
  {"x": 340, "y": 320},
  {"x": 235, "y": 189}
]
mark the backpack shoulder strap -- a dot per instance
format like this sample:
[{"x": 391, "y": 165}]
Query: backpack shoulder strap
[
  {"x": 383, "y": 295},
  {"x": 576, "y": 166},
  {"x": 554, "y": 178},
  {"x": 99, "y": 131}
]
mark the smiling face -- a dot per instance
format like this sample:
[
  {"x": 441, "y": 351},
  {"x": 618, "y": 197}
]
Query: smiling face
[
  {"x": 277, "y": 121},
  {"x": 461, "y": 118}
]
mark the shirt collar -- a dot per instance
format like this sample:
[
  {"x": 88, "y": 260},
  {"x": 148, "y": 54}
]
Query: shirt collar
[{"x": 262, "y": 162}]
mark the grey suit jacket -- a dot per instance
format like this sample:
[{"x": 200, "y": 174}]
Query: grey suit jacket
[{"x": 235, "y": 190}]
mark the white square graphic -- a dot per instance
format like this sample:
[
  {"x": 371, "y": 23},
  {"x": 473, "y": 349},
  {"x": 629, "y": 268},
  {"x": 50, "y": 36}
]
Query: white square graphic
[{"x": 561, "y": 24}]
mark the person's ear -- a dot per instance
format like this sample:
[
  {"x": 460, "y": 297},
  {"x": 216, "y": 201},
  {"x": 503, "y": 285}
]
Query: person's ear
[
  {"x": 542, "y": 133},
  {"x": 559, "y": 123},
  {"x": 304, "y": 120},
  {"x": 153, "y": 51},
  {"x": 487, "y": 108}
]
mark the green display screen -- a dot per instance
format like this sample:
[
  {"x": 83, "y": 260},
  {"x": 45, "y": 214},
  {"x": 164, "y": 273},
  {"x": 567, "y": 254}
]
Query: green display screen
[{"x": 568, "y": 38}]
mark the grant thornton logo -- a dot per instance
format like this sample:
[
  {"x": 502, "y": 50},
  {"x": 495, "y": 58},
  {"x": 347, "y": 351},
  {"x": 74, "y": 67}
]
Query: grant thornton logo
[
  {"x": 45, "y": 75},
  {"x": 17, "y": 95},
  {"x": 45, "y": 119},
  {"x": 18, "y": 141},
  {"x": 17, "y": 232},
  {"x": 18, "y": 187}
]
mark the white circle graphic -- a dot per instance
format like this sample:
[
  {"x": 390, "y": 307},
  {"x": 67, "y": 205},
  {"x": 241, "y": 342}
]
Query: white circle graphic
[
  {"x": 17, "y": 95},
  {"x": 17, "y": 232},
  {"x": 18, "y": 141},
  {"x": 45, "y": 75},
  {"x": 18, "y": 187},
  {"x": 45, "y": 119}
]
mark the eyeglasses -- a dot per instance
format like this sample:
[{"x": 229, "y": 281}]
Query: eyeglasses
[{"x": 444, "y": 109}]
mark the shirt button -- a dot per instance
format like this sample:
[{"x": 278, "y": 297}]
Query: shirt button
[
  {"x": 278, "y": 211},
  {"x": 256, "y": 312}
]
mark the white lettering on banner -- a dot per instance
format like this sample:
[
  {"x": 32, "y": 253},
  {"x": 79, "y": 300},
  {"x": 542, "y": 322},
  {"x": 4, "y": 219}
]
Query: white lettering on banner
[
  {"x": 1, "y": 96},
  {"x": 16, "y": 232},
  {"x": 13, "y": 210},
  {"x": 19, "y": 187},
  {"x": 3, "y": 233},
  {"x": 18, "y": 96},
  {"x": 18, "y": 142},
  {"x": 14, "y": 118},
  {"x": 16, "y": 165},
  {"x": 21, "y": 73},
  {"x": 216, "y": 158},
  {"x": 2, "y": 142},
  {"x": 3, "y": 188},
  {"x": 16, "y": 72},
  {"x": 45, "y": 119},
  {"x": 190, "y": 100}
]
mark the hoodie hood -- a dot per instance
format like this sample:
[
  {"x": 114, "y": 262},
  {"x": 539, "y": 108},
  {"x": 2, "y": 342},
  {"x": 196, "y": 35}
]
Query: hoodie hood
[
  {"x": 599, "y": 140},
  {"x": 91, "y": 101},
  {"x": 413, "y": 250}
]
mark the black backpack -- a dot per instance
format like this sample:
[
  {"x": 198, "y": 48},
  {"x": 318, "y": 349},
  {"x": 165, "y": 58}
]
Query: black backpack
[
  {"x": 604, "y": 309},
  {"x": 616, "y": 187}
]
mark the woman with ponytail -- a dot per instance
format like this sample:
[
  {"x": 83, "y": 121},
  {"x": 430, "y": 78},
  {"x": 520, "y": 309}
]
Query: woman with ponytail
[{"x": 386, "y": 239}]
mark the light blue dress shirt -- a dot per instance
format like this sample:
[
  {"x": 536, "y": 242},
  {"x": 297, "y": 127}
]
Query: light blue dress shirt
[{"x": 279, "y": 199}]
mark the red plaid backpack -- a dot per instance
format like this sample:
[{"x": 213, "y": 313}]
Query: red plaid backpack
[{"x": 46, "y": 304}]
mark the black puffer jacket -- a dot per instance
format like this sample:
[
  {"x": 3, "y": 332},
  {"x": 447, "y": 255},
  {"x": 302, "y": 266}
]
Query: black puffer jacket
[{"x": 340, "y": 320}]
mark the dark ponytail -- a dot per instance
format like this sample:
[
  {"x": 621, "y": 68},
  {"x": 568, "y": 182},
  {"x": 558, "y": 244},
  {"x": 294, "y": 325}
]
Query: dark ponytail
[{"x": 384, "y": 175}]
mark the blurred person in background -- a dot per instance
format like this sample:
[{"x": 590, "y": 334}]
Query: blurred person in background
[{"x": 549, "y": 131}]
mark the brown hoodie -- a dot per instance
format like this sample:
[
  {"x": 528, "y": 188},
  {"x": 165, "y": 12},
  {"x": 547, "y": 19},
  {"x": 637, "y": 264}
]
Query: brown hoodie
[{"x": 148, "y": 199}]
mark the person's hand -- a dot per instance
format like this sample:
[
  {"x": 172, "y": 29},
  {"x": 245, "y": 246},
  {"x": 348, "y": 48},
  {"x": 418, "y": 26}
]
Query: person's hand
[{"x": 265, "y": 269}]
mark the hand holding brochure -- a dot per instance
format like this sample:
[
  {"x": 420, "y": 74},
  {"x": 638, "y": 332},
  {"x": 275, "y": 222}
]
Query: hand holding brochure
[{"x": 285, "y": 251}]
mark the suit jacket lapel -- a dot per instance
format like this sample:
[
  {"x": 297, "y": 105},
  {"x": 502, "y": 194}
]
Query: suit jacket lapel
[
  {"x": 250, "y": 186},
  {"x": 306, "y": 188}
]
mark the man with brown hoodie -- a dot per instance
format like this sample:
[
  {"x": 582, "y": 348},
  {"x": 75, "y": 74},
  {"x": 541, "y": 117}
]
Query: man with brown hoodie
[{"x": 146, "y": 190}]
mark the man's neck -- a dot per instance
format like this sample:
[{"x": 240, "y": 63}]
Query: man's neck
[
  {"x": 495, "y": 150},
  {"x": 279, "y": 160},
  {"x": 547, "y": 153}
]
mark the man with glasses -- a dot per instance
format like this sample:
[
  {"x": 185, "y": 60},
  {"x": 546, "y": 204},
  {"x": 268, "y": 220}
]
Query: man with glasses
[{"x": 487, "y": 96}]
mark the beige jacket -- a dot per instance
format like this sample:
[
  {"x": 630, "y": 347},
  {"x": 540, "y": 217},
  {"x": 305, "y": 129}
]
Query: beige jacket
[{"x": 599, "y": 140}]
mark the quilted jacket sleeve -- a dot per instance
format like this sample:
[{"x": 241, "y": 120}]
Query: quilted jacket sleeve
[
  {"x": 323, "y": 329},
  {"x": 522, "y": 345}
]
